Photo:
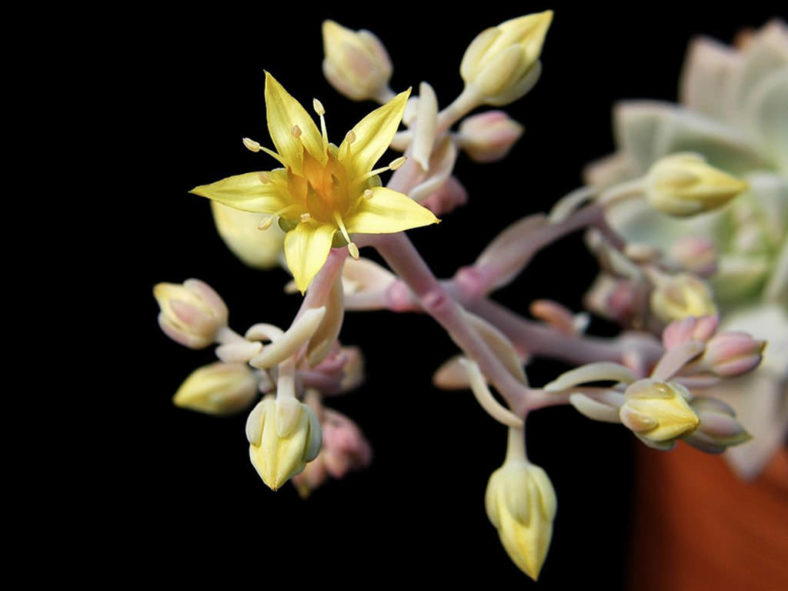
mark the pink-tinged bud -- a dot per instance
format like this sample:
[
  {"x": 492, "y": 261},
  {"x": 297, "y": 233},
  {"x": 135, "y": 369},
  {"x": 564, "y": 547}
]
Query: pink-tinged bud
[
  {"x": 356, "y": 62},
  {"x": 344, "y": 446},
  {"x": 489, "y": 136},
  {"x": 689, "y": 329},
  {"x": 344, "y": 449},
  {"x": 191, "y": 313},
  {"x": 313, "y": 477},
  {"x": 718, "y": 429},
  {"x": 448, "y": 197},
  {"x": 732, "y": 354},
  {"x": 612, "y": 298},
  {"x": 695, "y": 254}
]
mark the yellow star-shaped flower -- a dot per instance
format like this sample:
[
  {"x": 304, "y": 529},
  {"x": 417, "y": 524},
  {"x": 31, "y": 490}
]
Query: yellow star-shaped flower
[{"x": 324, "y": 193}]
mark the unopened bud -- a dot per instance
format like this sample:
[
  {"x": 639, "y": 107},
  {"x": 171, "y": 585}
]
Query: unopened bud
[
  {"x": 613, "y": 298},
  {"x": 345, "y": 446},
  {"x": 682, "y": 295},
  {"x": 448, "y": 197},
  {"x": 521, "y": 504},
  {"x": 279, "y": 457},
  {"x": 488, "y": 137},
  {"x": 658, "y": 412},
  {"x": 312, "y": 477},
  {"x": 689, "y": 329},
  {"x": 732, "y": 353},
  {"x": 696, "y": 254},
  {"x": 344, "y": 449},
  {"x": 218, "y": 389},
  {"x": 718, "y": 429},
  {"x": 684, "y": 185},
  {"x": 502, "y": 63},
  {"x": 356, "y": 63},
  {"x": 240, "y": 230},
  {"x": 191, "y": 313}
]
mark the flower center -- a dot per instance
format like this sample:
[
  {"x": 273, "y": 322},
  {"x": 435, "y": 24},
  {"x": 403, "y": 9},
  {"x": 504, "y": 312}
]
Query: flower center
[{"x": 323, "y": 190}]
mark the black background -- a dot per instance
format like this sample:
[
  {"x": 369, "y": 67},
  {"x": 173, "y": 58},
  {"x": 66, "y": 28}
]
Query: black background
[{"x": 190, "y": 87}]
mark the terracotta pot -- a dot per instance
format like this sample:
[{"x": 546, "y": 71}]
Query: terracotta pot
[{"x": 697, "y": 526}]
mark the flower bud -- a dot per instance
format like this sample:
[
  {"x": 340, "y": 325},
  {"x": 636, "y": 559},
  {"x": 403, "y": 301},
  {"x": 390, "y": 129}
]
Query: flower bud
[
  {"x": 356, "y": 63},
  {"x": 682, "y": 295},
  {"x": 344, "y": 445},
  {"x": 718, "y": 428},
  {"x": 658, "y": 412},
  {"x": 613, "y": 298},
  {"x": 344, "y": 449},
  {"x": 489, "y": 136},
  {"x": 689, "y": 329},
  {"x": 191, "y": 313},
  {"x": 447, "y": 198},
  {"x": 276, "y": 453},
  {"x": 696, "y": 254},
  {"x": 684, "y": 185},
  {"x": 521, "y": 504},
  {"x": 312, "y": 477},
  {"x": 502, "y": 63},
  {"x": 261, "y": 249},
  {"x": 218, "y": 389},
  {"x": 732, "y": 353}
]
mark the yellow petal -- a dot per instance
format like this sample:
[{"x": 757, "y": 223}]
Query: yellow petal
[
  {"x": 283, "y": 113},
  {"x": 372, "y": 135},
  {"x": 306, "y": 249},
  {"x": 248, "y": 192},
  {"x": 388, "y": 211}
]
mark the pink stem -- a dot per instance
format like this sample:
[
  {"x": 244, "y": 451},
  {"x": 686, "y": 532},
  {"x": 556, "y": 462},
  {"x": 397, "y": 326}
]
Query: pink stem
[
  {"x": 479, "y": 280},
  {"x": 538, "y": 339},
  {"x": 405, "y": 260},
  {"x": 540, "y": 399},
  {"x": 321, "y": 285}
]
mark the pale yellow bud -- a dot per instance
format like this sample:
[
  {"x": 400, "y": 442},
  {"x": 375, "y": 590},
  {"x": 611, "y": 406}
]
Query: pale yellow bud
[
  {"x": 521, "y": 504},
  {"x": 261, "y": 249},
  {"x": 191, "y": 313},
  {"x": 356, "y": 62},
  {"x": 684, "y": 185},
  {"x": 276, "y": 453},
  {"x": 218, "y": 389},
  {"x": 502, "y": 63},
  {"x": 680, "y": 296},
  {"x": 658, "y": 412}
]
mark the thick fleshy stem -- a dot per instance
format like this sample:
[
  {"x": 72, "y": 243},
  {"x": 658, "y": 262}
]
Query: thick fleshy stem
[
  {"x": 478, "y": 280},
  {"x": 227, "y": 336},
  {"x": 538, "y": 339},
  {"x": 321, "y": 285},
  {"x": 405, "y": 260},
  {"x": 541, "y": 399},
  {"x": 466, "y": 102},
  {"x": 515, "y": 450}
]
